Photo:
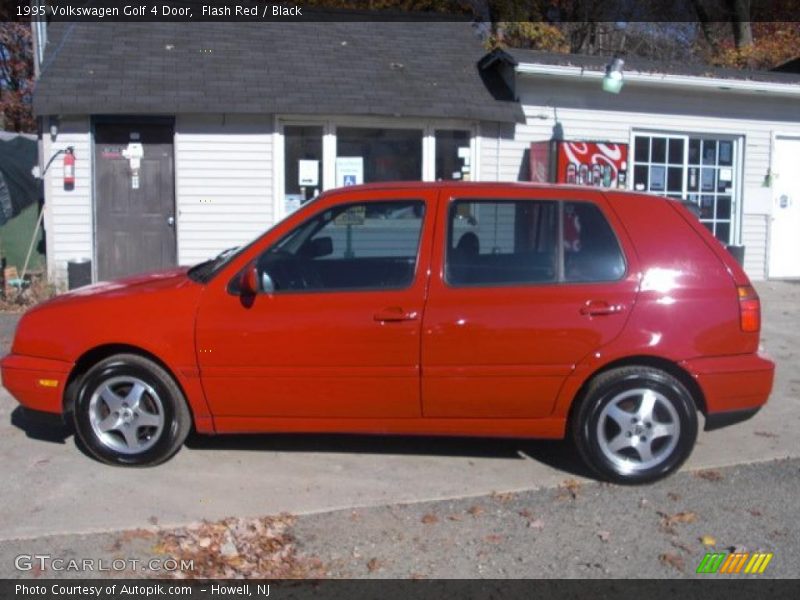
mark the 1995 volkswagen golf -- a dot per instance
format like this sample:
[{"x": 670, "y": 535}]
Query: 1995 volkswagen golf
[{"x": 442, "y": 309}]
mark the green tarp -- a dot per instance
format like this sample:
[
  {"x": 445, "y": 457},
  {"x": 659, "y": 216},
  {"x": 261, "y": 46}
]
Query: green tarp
[{"x": 18, "y": 188}]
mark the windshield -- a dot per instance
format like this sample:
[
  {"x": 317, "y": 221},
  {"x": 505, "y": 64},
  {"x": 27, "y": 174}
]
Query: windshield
[{"x": 205, "y": 271}]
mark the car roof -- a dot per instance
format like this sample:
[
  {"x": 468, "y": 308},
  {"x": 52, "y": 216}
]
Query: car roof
[{"x": 499, "y": 185}]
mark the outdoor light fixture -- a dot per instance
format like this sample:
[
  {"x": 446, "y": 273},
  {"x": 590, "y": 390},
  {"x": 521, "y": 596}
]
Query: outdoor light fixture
[
  {"x": 612, "y": 82},
  {"x": 53, "y": 128}
]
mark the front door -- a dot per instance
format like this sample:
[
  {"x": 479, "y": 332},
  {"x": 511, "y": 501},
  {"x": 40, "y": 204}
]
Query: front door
[
  {"x": 529, "y": 286},
  {"x": 134, "y": 198},
  {"x": 784, "y": 251},
  {"x": 335, "y": 330}
]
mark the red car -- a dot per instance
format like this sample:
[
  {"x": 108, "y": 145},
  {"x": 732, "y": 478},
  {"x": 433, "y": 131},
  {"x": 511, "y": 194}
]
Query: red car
[{"x": 449, "y": 309}]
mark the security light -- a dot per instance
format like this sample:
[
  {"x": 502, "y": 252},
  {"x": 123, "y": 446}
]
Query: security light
[{"x": 612, "y": 82}]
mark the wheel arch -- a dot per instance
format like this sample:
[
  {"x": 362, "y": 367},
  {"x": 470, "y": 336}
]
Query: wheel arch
[
  {"x": 644, "y": 360},
  {"x": 91, "y": 357}
]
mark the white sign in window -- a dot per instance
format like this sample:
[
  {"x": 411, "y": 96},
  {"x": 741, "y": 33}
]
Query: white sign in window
[
  {"x": 349, "y": 171},
  {"x": 308, "y": 173}
]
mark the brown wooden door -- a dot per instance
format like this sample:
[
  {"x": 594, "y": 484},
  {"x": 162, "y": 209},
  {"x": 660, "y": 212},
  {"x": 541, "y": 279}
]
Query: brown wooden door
[{"x": 135, "y": 217}]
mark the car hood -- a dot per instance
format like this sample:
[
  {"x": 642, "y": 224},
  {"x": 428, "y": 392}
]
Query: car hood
[{"x": 142, "y": 283}]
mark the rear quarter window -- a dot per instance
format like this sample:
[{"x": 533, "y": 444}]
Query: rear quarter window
[{"x": 591, "y": 249}]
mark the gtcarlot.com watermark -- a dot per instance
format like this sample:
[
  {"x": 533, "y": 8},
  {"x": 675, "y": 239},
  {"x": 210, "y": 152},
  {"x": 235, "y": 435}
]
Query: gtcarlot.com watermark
[{"x": 47, "y": 562}]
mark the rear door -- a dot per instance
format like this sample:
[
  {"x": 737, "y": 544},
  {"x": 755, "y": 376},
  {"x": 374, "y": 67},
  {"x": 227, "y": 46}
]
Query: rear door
[
  {"x": 134, "y": 198},
  {"x": 525, "y": 285}
]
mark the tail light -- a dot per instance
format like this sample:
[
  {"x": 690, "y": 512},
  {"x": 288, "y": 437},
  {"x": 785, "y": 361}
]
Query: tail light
[{"x": 749, "y": 309}]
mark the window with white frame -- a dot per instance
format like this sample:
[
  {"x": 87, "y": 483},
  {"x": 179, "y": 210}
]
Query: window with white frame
[
  {"x": 453, "y": 155},
  {"x": 386, "y": 154},
  {"x": 302, "y": 162},
  {"x": 701, "y": 169},
  {"x": 314, "y": 155}
]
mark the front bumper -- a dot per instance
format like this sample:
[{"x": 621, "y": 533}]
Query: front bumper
[
  {"x": 734, "y": 387},
  {"x": 36, "y": 383}
]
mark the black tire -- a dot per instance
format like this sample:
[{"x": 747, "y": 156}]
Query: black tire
[
  {"x": 161, "y": 401},
  {"x": 610, "y": 391}
]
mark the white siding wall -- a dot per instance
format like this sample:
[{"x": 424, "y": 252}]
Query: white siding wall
[
  {"x": 68, "y": 214},
  {"x": 755, "y": 236},
  {"x": 585, "y": 112},
  {"x": 224, "y": 175}
]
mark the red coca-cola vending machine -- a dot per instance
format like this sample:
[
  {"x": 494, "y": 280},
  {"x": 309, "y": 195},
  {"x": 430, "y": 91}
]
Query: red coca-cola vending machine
[{"x": 598, "y": 164}]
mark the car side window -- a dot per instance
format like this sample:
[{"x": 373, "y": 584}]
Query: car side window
[
  {"x": 505, "y": 242},
  {"x": 502, "y": 242},
  {"x": 591, "y": 249},
  {"x": 358, "y": 246}
]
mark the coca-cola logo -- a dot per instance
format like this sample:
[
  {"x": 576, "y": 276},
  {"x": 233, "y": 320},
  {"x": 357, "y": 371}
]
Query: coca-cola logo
[{"x": 595, "y": 154}]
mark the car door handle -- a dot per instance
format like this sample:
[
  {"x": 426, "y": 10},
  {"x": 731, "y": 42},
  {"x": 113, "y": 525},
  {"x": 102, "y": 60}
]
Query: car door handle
[
  {"x": 395, "y": 313},
  {"x": 599, "y": 308}
]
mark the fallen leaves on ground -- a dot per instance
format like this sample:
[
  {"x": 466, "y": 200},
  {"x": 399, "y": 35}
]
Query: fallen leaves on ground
[
  {"x": 685, "y": 547},
  {"x": 668, "y": 522},
  {"x": 754, "y": 512},
  {"x": 430, "y": 519},
  {"x": 765, "y": 434},
  {"x": 778, "y": 533},
  {"x": 455, "y": 517},
  {"x": 237, "y": 547},
  {"x": 673, "y": 560},
  {"x": 374, "y": 564},
  {"x": 504, "y": 497},
  {"x": 494, "y": 538},
  {"x": 132, "y": 534},
  {"x": 475, "y": 510},
  {"x": 673, "y": 496},
  {"x": 533, "y": 522},
  {"x": 709, "y": 475},
  {"x": 708, "y": 540},
  {"x": 569, "y": 490}
]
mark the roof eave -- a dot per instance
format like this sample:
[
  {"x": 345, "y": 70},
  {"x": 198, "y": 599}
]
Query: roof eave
[{"x": 664, "y": 80}]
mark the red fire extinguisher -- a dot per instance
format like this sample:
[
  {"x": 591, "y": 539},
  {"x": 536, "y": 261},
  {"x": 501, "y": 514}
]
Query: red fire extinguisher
[{"x": 69, "y": 169}]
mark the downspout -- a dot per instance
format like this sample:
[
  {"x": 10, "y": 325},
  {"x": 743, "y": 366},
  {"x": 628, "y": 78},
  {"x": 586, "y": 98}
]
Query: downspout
[
  {"x": 497, "y": 155},
  {"x": 39, "y": 37}
]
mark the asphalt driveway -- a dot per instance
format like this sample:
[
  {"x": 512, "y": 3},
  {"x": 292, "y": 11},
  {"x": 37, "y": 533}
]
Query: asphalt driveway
[{"x": 51, "y": 487}]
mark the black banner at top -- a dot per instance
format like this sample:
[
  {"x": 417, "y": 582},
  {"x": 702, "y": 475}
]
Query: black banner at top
[{"x": 554, "y": 11}]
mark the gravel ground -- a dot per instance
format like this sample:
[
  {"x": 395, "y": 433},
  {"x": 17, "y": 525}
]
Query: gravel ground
[
  {"x": 8, "y": 324},
  {"x": 590, "y": 530},
  {"x": 578, "y": 530}
]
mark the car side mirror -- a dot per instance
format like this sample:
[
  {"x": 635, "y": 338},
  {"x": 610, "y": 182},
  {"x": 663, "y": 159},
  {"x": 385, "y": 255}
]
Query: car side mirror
[
  {"x": 248, "y": 284},
  {"x": 319, "y": 247}
]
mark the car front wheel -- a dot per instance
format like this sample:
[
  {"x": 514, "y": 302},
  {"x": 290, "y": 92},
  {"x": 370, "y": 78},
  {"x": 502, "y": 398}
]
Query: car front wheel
[
  {"x": 635, "y": 424},
  {"x": 129, "y": 411}
]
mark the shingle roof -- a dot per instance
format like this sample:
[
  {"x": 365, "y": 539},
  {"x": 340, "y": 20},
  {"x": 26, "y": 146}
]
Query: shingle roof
[
  {"x": 598, "y": 63},
  {"x": 420, "y": 69}
]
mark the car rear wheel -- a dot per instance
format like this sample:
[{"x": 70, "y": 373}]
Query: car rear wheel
[
  {"x": 635, "y": 424},
  {"x": 129, "y": 411}
]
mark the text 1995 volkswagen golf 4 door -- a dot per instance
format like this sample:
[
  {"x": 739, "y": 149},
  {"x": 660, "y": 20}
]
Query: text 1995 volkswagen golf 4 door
[{"x": 456, "y": 309}]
